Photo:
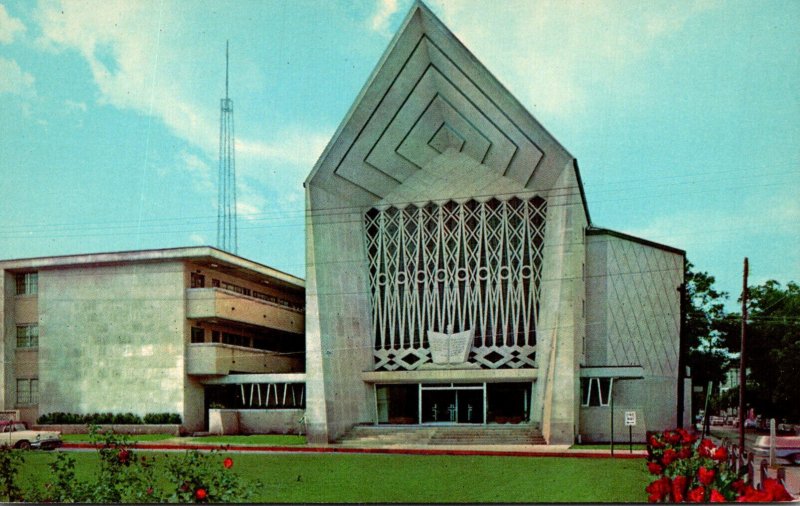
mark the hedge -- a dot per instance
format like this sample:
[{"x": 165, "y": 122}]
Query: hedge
[{"x": 59, "y": 418}]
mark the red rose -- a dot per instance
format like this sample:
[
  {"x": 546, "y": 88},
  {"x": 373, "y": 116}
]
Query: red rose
[
  {"x": 149, "y": 490},
  {"x": 685, "y": 452},
  {"x": 706, "y": 448},
  {"x": 739, "y": 486},
  {"x": 200, "y": 494},
  {"x": 719, "y": 454},
  {"x": 655, "y": 443},
  {"x": 658, "y": 489},
  {"x": 228, "y": 463},
  {"x": 122, "y": 456},
  {"x": 654, "y": 468},
  {"x": 753, "y": 495},
  {"x": 717, "y": 497},
  {"x": 697, "y": 494},
  {"x": 706, "y": 476},
  {"x": 672, "y": 437},
  {"x": 679, "y": 484},
  {"x": 685, "y": 436},
  {"x": 669, "y": 456},
  {"x": 775, "y": 490}
]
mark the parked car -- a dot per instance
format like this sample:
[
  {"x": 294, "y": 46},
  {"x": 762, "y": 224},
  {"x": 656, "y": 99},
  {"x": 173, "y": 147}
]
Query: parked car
[
  {"x": 18, "y": 435},
  {"x": 786, "y": 447}
]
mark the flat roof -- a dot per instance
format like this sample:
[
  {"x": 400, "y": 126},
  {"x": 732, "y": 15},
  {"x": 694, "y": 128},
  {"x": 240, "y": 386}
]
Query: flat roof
[
  {"x": 204, "y": 254},
  {"x": 621, "y": 235}
]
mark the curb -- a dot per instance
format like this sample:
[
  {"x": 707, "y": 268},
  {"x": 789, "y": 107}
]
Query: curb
[{"x": 390, "y": 451}]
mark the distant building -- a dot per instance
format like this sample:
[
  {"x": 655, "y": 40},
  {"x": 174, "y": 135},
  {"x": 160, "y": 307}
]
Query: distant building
[
  {"x": 454, "y": 275},
  {"x": 172, "y": 330}
]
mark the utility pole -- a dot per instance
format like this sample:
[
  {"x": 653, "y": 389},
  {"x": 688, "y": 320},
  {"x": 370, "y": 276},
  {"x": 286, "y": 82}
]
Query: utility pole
[
  {"x": 681, "y": 352},
  {"x": 742, "y": 372}
]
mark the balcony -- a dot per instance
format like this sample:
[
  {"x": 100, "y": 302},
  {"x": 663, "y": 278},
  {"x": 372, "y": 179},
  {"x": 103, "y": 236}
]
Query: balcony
[
  {"x": 215, "y": 303},
  {"x": 204, "y": 359}
]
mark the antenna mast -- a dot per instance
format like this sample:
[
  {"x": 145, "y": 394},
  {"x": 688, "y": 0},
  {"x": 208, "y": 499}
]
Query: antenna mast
[{"x": 226, "y": 205}]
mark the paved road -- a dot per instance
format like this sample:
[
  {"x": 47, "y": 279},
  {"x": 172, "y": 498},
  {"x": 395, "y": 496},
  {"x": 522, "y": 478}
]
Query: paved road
[{"x": 792, "y": 471}]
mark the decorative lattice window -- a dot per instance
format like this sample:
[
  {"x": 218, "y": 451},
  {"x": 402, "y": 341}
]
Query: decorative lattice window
[{"x": 471, "y": 265}]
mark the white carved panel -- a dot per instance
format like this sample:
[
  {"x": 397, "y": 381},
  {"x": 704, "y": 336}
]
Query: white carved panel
[{"x": 473, "y": 265}]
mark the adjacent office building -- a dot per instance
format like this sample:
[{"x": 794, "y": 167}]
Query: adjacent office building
[{"x": 173, "y": 330}]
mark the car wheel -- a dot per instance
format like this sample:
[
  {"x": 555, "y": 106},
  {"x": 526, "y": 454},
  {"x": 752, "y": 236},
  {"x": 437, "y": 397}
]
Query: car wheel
[{"x": 24, "y": 445}]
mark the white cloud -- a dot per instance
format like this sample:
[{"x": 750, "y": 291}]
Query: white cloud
[
  {"x": 9, "y": 26},
  {"x": 198, "y": 239},
  {"x": 137, "y": 57},
  {"x": 385, "y": 9},
  {"x": 554, "y": 53},
  {"x": 72, "y": 105},
  {"x": 15, "y": 81}
]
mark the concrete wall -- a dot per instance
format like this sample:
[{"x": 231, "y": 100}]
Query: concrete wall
[
  {"x": 560, "y": 331},
  {"x": 217, "y": 358},
  {"x": 633, "y": 319},
  {"x": 256, "y": 421},
  {"x": 338, "y": 347},
  {"x": 112, "y": 339},
  {"x": 213, "y": 302},
  {"x": 7, "y": 332}
]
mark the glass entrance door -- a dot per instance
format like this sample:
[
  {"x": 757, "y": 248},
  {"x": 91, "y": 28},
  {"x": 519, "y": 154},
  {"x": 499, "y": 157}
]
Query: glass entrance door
[{"x": 452, "y": 404}]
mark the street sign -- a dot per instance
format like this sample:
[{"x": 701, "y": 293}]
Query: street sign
[{"x": 630, "y": 418}]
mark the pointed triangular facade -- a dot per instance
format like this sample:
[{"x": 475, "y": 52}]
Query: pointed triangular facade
[{"x": 441, "y": 205}]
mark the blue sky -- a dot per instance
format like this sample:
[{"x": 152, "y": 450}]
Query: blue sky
[{"x": 683, "y": 117}]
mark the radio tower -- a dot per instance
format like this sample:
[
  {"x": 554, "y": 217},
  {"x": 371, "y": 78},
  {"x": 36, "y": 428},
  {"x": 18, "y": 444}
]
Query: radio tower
[{"x": 226, "y": 208}]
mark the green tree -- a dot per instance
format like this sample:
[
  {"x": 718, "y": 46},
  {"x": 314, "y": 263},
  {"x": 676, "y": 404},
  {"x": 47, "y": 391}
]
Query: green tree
[
  {"x": 772, "y": 349},
  {"x": 705, "y": 331}
]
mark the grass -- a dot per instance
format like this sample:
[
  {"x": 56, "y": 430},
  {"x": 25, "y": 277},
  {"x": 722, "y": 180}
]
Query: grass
[
  {"x": 618, "y": 447},
  {"x": 84, "y": 438},
  {"x": 258, "y": 439},
  {"x": 347, "y": 478}
]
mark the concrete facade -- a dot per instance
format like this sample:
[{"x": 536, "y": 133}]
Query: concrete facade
[
  {"x": 442, "y": 205},
  {"x": 143, "y": 332}
]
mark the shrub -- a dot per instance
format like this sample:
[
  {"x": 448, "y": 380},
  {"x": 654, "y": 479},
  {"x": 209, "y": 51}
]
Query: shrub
[
  {"x": 126, "y": 477},
  {"x": 699, "y": 471},
  {"x": 162, "y": 418},
  {"x": 108, "y": 418},
  {"x": 10, "y": 461}
]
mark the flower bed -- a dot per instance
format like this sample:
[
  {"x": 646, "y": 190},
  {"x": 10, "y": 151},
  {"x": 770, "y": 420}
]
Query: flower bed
[{"x": 691, "y": 470}]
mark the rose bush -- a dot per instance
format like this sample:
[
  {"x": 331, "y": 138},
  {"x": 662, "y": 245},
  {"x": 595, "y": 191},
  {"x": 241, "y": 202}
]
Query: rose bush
[
  {"x": 689, "y": 470},
  {"x": 124, "y": 476}
]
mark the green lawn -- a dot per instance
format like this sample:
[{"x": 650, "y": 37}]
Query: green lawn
[
  {"x": 259, "y": 439},
  {"x": 84, "y": 438},
  {"x": 369, "y": 478},
  {"x": 256, "y": 439},
  {"x": 618, "y": 447}
]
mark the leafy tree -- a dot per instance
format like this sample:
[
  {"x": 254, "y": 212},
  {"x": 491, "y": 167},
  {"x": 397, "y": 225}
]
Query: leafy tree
[
  {"x": 705, "y": 331},
  {"x": 772, "y": 349}
]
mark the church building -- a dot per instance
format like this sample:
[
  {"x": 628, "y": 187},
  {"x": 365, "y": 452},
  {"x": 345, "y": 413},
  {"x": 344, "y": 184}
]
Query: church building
[{"x": 454, "y": 275}]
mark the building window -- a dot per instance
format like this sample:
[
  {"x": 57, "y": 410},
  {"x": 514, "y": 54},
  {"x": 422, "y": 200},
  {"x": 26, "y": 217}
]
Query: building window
[
  {"x": 28, "y": 283},
  {"x": 27, "y": 391},
  {"x": 198, "y": 335},
  {"x": 198, "y": 280},
  {"x": 215, "y": 336},
  {"x": 27, "y": 336},
  {"x": 596, "y": 391},
  {"x": 230, "y": 287}
]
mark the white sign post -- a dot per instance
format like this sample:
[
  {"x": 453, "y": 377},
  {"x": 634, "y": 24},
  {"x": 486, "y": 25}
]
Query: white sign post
[{"x": 630, "y": 421}]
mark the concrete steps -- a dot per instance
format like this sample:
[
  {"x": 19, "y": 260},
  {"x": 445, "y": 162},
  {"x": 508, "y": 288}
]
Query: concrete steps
[{"x": 371, "y": 435}]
